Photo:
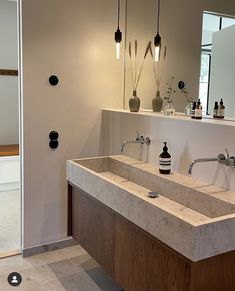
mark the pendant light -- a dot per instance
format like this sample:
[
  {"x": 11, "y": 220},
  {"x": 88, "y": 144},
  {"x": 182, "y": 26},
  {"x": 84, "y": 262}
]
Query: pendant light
[
  {"x": 157, "y": 39},
  {"x": 118, "y": 35}
]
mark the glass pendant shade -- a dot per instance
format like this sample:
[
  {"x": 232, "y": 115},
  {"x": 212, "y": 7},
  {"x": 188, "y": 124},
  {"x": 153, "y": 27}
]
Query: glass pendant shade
[
  {"x": 118, "y": 34},
  {"x": 118, "y": 39},
  {"x": 157, "y": 44},
  {"x": 118, "y": 46}
]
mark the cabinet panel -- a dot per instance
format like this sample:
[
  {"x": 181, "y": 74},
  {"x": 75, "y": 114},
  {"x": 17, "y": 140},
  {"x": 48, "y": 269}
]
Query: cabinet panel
[
  {"x": 144, "y": 263},
  {"x": 214, "y": 274},
  {"x": 93, "y": 228},
  {"x": 135, "y": 259}
]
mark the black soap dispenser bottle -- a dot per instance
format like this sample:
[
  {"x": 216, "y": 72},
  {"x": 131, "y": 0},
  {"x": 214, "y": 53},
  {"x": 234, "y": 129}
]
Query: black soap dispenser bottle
[{"x": 165, "y": 161}]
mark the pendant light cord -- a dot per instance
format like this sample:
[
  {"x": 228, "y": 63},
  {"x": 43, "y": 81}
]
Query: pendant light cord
[
  {"x": 118, "y": 12},
  {"x": 158, "y": 16}
]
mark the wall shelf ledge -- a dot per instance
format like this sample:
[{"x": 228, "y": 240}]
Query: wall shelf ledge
[{"x": 179, "y": 116}]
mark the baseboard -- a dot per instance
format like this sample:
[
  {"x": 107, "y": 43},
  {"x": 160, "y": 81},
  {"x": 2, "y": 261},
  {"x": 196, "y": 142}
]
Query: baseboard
[
  {"x": 9, "y": 186},
  {"x": 48, "y": 247}
]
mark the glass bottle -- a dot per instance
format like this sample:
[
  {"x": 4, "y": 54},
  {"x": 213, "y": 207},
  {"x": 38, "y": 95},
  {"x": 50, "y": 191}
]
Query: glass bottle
[
  {"x": 188, "y": 108},
  {"x": 165, "y": 161},
  {"x": 169, "y": 109},
  {"x": 193, "y": 110},
  {"x": 215, "y": 110},
  {"x": 198, "y": 110},
  {"x": 221, "y": 109}
]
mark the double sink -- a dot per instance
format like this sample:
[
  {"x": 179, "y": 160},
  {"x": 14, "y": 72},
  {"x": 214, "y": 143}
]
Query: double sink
[{"x": 195, "y": 219}]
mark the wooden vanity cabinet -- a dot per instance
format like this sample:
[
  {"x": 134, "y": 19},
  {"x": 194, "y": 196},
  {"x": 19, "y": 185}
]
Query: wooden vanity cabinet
[
  {"x": 144, "y": 263},
  {"x": 137, "y": 260},
  {"x": 93, "y": 228}
]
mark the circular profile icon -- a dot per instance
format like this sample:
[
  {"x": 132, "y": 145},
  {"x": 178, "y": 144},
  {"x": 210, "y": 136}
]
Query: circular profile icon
[{"x": 14, "y": 279}]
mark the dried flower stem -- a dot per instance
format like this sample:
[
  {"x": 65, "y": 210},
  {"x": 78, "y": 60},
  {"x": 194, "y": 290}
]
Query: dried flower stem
[
  {"x": 136, "y": 48},
  {"x": 136, "y": 78},
  {"x": 130, "y": 55},
  {"x": 141, "y": 68}
]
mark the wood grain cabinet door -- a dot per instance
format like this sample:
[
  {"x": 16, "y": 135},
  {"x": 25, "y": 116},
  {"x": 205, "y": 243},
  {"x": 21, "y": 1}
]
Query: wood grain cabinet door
[
  {"x": 142, "y": 263},
  {"x": 93, "y": 228}
]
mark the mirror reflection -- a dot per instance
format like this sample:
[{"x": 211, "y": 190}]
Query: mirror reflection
[
  {"x": 199, "y": 42},
  {"x": 217, "y": 62}
]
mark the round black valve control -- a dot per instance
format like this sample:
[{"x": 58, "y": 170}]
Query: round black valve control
[
  {"x": 53, "y": 80},
  {"x": 53, "y": 144},
  {"x": 53, "y": 136}
]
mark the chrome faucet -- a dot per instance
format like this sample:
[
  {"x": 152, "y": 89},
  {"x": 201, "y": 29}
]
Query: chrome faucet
[
  {"x": 228, "y": 161},
  {"x": 139, "y": 139}
]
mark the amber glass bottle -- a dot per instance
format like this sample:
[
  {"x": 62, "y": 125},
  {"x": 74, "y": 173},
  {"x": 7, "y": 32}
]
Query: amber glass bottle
[{"x": 165, "y": 161}]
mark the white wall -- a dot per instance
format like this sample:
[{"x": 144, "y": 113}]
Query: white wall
[
  {"x": 180, "y": 29},
  {"x": 9, "y": 130},
  {"x": 9, "y": 173},
  {"x": 223, "y": 70},
  {"x": 74, "y": 40},
  {"x": 187, "y": 140}
]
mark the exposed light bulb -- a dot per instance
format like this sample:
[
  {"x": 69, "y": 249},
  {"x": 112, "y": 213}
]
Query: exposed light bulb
[
  {"x": 118, "y": 48},
  {"x": 118, "y": 34},
  {"x": 157, "y": 43},
  {"x": 118, "y": 39},
  {"x": 157, "y": 51}
]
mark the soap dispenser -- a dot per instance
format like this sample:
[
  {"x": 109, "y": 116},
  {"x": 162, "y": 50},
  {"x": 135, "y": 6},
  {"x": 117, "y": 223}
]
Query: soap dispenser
[{"x": 165, "y": 161}]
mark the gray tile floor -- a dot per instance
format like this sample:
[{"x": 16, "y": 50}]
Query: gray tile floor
[
  {"x": 9, "y": 220},
  {"x": 70, "y": 269}
]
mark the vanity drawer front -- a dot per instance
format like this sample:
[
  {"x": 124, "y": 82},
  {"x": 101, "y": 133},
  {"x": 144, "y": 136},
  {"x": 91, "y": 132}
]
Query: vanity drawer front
[
  {"x": 141, "y": 262},
  {"x": 93, "y": 228}
]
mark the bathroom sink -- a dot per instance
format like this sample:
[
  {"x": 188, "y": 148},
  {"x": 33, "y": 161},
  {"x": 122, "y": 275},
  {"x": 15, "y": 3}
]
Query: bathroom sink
[
  {"x": 124, "y": 169},
  {"x": 195, "y": 219}
]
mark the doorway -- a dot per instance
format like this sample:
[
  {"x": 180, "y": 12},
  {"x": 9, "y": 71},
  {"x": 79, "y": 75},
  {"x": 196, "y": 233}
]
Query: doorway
[{"x": 10, "y": 193}]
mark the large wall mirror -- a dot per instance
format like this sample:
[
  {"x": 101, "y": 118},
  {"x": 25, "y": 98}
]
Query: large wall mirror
[{"x": 200, "y": 48}]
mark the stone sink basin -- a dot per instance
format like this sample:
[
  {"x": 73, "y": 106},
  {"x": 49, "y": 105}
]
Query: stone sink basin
[{"x": 193, "y": 218}]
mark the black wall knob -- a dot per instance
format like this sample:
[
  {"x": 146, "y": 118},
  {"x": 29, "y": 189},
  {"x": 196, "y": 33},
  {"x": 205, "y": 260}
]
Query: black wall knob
[
  {"x": 53, "y": 136},
  {"x": 53, "y": 80},
  {"x": 53, "y": 144}
]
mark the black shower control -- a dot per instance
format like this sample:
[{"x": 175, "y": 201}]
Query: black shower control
[
  {"x": 53, "y": 80},
  {"x": 53, "y": 136},
  {"x": 53, "y": 144}
]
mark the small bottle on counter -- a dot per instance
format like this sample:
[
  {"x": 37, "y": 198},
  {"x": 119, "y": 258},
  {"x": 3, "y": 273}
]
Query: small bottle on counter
[
  {"x": 215, "y": 110},
  {"x": 221, "y": 109},
  {"x": 193, "y": 110},
  {"x": 165, "y": 161},
  {"x": 198, "y": 110}
]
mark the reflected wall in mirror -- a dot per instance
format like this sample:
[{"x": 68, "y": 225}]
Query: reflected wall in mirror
[
  {"x": 181, "y": 31},
  {"x": 218, "y": 62},
  {"x": 9, "y": 110}
]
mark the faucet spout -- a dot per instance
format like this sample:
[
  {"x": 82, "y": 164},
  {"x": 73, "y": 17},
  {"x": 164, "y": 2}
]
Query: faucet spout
[
  {"x": 200, "y": 161},
  {"x": 227, "y": 161},
  {"x": 138, "y": 140},
  {"x": 123, "y": 145}
]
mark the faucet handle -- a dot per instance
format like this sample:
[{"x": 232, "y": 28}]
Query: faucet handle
[
  {"x": 138, "y": 135},
  {"x": 227, "y": 152}
]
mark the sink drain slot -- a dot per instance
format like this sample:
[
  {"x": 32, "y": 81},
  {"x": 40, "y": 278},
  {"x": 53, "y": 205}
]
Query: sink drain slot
[{"x": 153, "y": 194}]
